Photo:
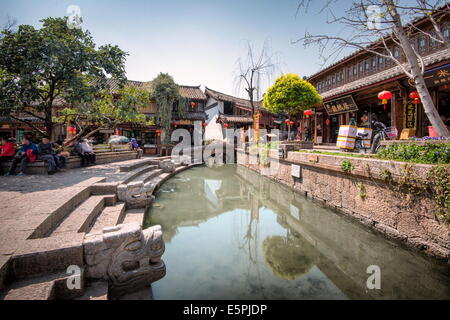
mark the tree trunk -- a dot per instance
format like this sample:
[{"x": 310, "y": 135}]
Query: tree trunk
[
  {"x": 417, "y": 73},
  {"x": 79, "y": 135}
]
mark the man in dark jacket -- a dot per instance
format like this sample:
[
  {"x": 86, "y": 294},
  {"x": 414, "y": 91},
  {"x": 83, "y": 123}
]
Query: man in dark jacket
[
  {"x": 47, "y": 154},
  {"x": 27, "y": 153}
]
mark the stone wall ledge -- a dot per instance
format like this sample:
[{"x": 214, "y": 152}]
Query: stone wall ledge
[
  {"x": 362, "y": 167},
  {"x": 383, "y": 210}
]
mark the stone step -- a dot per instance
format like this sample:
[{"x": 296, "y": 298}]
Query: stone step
[
  {"x": 39, "y": 257},
  {"x": 81, "y": 218},
  {"x": 149, "y": 175},
  {"x": 48, "y": 287},
  {"x": 95, "y": 291},
  {"x": 66, "y": 201},
  {"x": 136, "y": 165},
  {"x": 138, "y": 172},
  {"x": 104, "y": 188},
  {"x": 110, "y": 199},
  {"x": 134, "y": 215},
  {"x": 109, "y": 217},
  {"x": 158, "y": 180}
]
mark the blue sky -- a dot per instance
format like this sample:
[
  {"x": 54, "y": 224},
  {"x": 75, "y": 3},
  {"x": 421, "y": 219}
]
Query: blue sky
[{"x": 198, "y": 42}]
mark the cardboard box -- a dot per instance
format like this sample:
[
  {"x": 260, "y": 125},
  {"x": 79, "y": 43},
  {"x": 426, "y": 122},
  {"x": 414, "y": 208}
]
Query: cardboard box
[
  {"x": 345, "y": 143},
  {"x": 367, "y": 142},
  {"x": 348, "y": 131}
]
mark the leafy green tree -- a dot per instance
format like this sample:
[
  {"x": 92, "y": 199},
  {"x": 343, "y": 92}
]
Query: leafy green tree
[
  {"x": 107, "y": 111},
  {"x": 291, "y": 94},
  {"x": 54, "y": 63},
  {"x": 167, "y": 95}
]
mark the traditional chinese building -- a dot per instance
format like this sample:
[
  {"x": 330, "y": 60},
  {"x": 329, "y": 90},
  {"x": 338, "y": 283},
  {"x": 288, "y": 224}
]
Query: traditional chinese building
[
  {"x": 21, "y": 124},
  {"x": 351, "y": 86},
  {"x": 149, "y": 137},
  {"x": 236, "y": 112}
]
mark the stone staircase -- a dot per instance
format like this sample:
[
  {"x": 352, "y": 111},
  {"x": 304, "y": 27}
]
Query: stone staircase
[{"x": 38, "y": 270}]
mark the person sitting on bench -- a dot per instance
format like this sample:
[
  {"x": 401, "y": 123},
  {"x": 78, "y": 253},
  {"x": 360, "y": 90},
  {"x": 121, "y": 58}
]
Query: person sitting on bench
[
  {"x": 26, "y": 154},
  {"x": 47, "y": 154},
  {"x": 88, "y": 151},
  {"x": 7, "y": 152}
]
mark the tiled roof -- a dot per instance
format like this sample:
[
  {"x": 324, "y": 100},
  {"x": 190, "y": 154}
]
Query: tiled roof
[
  {"x": 383, "y": 75},
  {"x": 226, "y": 97},
  {"x": 188, "y": 92},
  {"x": 114, "y": 84},
  {"x": 416, "y": 22},
  {"x": 193, "y": 93},
  {"x": 234, "y": 119}
]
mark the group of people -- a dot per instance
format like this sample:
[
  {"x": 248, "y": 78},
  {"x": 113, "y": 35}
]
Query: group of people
[{"x": 54, "y": 154}]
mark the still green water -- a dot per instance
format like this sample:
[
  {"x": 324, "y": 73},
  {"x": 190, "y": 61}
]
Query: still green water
[{"x": 233, "y": 234}]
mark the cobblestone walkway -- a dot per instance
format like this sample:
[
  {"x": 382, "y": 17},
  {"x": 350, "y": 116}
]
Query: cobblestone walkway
[{"x": 23, "y": 200}]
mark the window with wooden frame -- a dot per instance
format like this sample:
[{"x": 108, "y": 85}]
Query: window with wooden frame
[
  {"x": 422, "y": 44},
  {"x": 388, "y": 62},
  {"x": 367, "y": 66},
  {"x": 433, "y": 43},
  {"x": 349, "y": 74},
  {"x": 446, "y": 31},
  {"x": 380, "y": 63},
  {"x": 361, "y": 69},
  {"x": 373, "y": 63},
  {"x": 396, "y": 53}
]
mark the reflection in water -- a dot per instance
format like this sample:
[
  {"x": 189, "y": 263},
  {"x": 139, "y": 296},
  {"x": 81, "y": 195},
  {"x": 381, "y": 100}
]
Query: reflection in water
[
  {"x": 232, "y": 234},
  {"x": 287, "y": 257}
]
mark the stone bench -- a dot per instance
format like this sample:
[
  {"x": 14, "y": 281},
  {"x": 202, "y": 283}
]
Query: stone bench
[{"x": 40, "y": 167}]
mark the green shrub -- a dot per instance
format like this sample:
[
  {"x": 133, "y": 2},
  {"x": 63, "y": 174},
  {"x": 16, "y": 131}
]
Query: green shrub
[
  {"x": 428, "y": 153},
  {"x": 347, "y": 166}
]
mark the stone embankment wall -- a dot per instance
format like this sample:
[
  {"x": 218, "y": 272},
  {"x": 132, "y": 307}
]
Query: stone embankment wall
[{"x": 365, "y": 194}]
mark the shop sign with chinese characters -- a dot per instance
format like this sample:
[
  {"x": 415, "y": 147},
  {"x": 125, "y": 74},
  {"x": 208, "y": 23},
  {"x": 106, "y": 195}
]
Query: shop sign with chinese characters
[
  {"x": 341, "y": 105},
  {"x": 410, "y": 117},
  {"x": 438, "y": 77}
]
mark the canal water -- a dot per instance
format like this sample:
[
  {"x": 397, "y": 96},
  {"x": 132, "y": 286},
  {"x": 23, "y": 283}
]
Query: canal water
[{"x": 233, "y": 234}]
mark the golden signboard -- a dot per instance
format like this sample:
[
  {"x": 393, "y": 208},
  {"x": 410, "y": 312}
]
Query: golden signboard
[{"x": 410, "y": 116}]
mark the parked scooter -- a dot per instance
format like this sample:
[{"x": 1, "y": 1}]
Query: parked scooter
[
  {"x": 380, "y": 134},
  {"x": 359, "y": 142}
]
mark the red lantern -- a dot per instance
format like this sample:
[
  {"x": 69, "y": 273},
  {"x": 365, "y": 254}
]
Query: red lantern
[
  {"x": 385, "y": 96},
  {"x": 287, "y": 121},
  {"x": 158, "y": 132},
  {"x": 327, "y": 122},
  {"x": 414, "y": 95},
  {"x": 291, "y": 123},
  {"x": 225, "y": 125},
  {"x": 72, "y": 130},
  {"x": 193, "y": 105},
  {"x": 417, "y": 101},
  {"x": 308, "y": 113},
  {"x": 205, "y": 124}
]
